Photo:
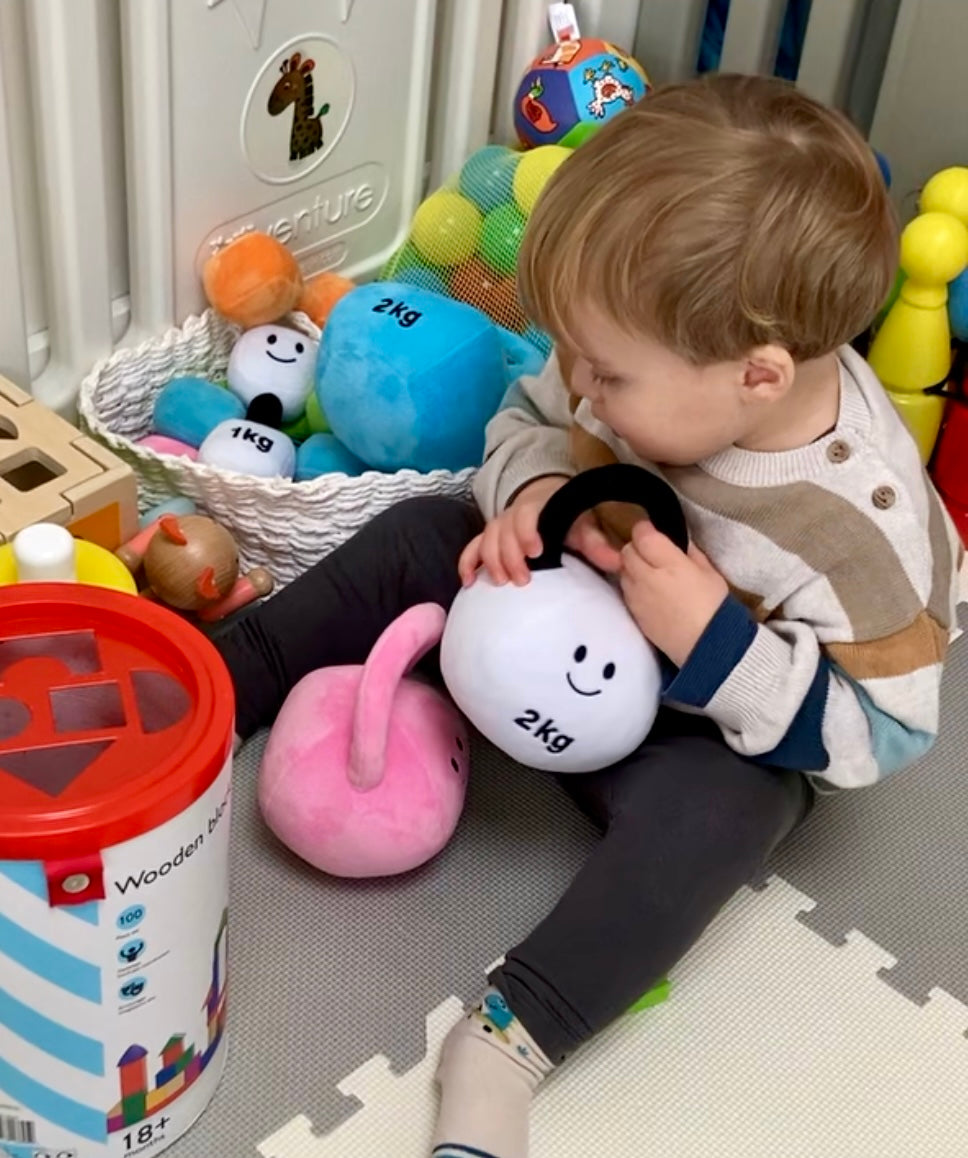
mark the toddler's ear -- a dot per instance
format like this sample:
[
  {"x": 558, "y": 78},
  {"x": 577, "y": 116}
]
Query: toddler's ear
[
  {"x": 566, "y": 362},
  {"x": 768, "y": 373}
]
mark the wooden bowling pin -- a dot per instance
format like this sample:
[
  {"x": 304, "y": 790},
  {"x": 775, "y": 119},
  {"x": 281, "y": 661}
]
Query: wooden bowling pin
[{"x": 912, "y": 350}]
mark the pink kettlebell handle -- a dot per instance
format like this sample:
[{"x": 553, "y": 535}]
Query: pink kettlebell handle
[{"x": 404, "y": 643}]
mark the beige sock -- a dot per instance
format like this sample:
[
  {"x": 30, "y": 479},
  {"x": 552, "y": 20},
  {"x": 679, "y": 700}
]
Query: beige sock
[{"x": 488, "y": 1073}]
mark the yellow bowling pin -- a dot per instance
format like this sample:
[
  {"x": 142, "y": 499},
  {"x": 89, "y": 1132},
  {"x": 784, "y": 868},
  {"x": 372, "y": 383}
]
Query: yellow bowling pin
[
  {"x": 947, "y": 192},
  {"x": 912, "y": 349}
]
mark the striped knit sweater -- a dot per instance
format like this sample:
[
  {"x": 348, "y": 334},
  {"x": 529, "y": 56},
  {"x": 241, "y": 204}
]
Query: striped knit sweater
[{"x": 842, "y": 564}]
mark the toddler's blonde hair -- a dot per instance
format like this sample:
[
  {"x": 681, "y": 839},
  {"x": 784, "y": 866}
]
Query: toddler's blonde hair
[{"x": 717, "y": 216}]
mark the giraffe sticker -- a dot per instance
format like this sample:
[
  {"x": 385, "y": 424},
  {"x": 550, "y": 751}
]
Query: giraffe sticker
[
  {"x": 295, "y": 87},
  {"x": 297, "y": 108}
]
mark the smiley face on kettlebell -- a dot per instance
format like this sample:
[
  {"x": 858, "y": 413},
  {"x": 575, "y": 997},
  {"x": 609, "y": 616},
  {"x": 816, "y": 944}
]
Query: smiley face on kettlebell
[{"x": 608, "y": 673}]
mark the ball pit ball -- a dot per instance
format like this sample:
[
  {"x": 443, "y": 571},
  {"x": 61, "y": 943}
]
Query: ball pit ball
[
  {"x": 405, "y": 257},
  {"x": 478, "y": 285},
  {"x": 501, "y": 238},
  {"x": 424, "y": 277},
  {"x": 446, "y": 228},
  {"x": 534, "y": 171},
  {"x": 408, "y": 267},
  {"x": 577, "y": 136},
  {"x": 487, "y": 178}
]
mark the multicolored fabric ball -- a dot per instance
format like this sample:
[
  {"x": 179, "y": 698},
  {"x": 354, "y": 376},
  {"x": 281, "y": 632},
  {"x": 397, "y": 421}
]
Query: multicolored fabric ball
[{"x": 574, "y": 85}]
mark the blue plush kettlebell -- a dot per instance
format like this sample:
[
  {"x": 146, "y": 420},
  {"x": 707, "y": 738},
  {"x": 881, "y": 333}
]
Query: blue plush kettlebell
[{"x": 408, "y": 378}]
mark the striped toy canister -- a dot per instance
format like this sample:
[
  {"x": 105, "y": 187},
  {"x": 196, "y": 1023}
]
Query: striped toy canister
[{"x": 116, "y": 723}]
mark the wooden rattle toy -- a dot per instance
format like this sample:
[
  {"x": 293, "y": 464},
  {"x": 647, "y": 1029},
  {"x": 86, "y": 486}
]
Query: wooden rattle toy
[{"x": 192, "y": 564}]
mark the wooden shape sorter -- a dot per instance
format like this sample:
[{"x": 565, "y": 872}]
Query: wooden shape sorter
[{"x": 50, "y": 472}]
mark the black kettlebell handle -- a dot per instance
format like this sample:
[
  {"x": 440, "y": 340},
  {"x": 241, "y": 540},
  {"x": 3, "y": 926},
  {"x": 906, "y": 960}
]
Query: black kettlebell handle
[{"x": 619, "y": 482}]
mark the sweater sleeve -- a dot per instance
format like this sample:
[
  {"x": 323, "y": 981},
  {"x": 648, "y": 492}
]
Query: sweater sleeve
[
  {"x": 526, "y": 439},
  {"x": 781, "y": 698}
]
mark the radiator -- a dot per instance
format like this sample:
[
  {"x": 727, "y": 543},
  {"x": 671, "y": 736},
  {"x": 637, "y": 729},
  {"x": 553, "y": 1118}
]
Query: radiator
[{"x": 135, "y": 137}]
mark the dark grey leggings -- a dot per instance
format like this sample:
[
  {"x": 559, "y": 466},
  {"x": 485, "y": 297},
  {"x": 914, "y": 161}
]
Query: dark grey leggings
[{"x": 686, "y": 820}]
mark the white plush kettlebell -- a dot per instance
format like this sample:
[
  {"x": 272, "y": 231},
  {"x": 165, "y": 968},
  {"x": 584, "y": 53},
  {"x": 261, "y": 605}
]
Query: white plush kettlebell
[{"x": 557, "y": 674}]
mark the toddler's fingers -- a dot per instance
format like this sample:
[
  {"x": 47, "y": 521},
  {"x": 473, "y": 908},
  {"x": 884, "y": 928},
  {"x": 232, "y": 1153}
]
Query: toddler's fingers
[
  {"x": 699, "y": 558},
  {"x": 491, "y": 553},
  {"x": 655, "y": 548},
  {"x": 526, "y": 528},
  {"x": 593, "y": 543},
  {"x": 512, "y": 556},
  {"x": 470, "y": 560},
  {"x": 634, "y": 567}
]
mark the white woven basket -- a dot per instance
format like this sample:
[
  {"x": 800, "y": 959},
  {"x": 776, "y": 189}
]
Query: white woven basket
[{"x": 282, "y": 525}]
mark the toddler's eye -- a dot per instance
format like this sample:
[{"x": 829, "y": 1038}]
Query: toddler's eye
[{"x": 605, "y": 379}]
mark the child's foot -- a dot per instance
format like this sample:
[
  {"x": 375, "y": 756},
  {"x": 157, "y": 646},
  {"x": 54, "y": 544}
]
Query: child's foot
[{"x": 489, "y": 1070}]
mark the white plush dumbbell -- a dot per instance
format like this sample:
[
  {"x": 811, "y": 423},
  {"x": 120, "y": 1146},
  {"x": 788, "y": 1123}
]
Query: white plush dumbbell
[{"x": 249, "y": 448}]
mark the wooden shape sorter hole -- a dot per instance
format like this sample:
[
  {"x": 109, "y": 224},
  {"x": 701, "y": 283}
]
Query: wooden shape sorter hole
[
  {"x": 7, "y": 430},
  {"x": 29, "y": 470}
]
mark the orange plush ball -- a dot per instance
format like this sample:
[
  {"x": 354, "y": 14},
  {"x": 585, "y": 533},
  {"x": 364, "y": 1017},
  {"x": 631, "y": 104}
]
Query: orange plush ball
[
  {"x": 321, "y": 295},
  {"x": 253, "y": 281}
]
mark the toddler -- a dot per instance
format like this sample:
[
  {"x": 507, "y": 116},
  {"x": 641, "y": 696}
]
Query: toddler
[{"x": 702, "y": 264}]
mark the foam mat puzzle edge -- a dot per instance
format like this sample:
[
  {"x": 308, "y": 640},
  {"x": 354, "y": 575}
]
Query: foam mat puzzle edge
[{"x": 890, "y": 1055}]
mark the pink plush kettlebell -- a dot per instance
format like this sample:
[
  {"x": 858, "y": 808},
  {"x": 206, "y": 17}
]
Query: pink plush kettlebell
[{"x": 365, "y": 772}]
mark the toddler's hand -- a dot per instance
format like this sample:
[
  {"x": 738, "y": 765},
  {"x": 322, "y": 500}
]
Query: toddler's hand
[
  {"x": 672, "y": 596},
  {"x": 510, "y": 539}
]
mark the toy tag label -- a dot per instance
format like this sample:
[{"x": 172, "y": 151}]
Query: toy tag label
[
  {"x": 547, "y": 731},
  {"x": 564, "y": 22}
]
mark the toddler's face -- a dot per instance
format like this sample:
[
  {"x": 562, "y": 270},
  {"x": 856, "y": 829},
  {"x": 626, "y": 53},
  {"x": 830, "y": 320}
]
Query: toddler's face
[{"x": 667, "y": 409}]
